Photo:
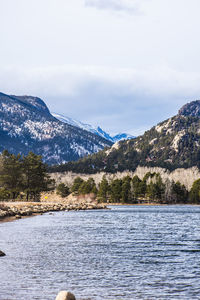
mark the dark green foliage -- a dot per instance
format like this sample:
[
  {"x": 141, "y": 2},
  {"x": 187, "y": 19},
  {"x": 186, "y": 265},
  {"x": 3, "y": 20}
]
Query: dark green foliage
[
  {"x": 180, "y": 192},
  {"x": 11, "y": 173},
  {"x": 62, "y": 190},
  {"x": 142, "y": 188},
  {"x": 136, "y": 187},
  {"x": 87, "y": 187},
  {"x": 194, "y": 194},
  {"x": 81, "y": 187},
  {"x": 134, "y": 190},
  {"x": 4, "y": 194},
  {"x": 116, "y": 190},
  {"x": 126, "y": 190},
  {"x": 76, "y": 185},
  {"x": 103, "y": 190},
  {"x": 25, "y": 174},
  {"x": 155, "y": 188},
  {"x": 35, "y": 178}
]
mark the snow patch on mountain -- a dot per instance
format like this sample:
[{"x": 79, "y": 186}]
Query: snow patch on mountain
[
  {"x": 96, "y": 130},
  {"x": 27, "y": 125}
]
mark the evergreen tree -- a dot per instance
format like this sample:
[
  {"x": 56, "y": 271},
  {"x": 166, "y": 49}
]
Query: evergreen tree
[
  {"x": 76, "y": 185},
  {"x": 116, "y": 190},
  {"x": 4, "y": 194},
  {"x": 126, "y": 189},
  {"x": 155, "y": 189},
  {"x": 11, "y": 173},
  {"x": 103, "y": 189},
  {"x": 142, "y": 188},
  {"x": 136, "y": 187},
  {"x": 94, "y": 190},
  {"x": 35, "y": 174},
  {"x": 87, "y": 187},
  {"x": 62, "y": 190},
  {"x": 180, "y": 192},
  {"x": 194, "y": 195}
]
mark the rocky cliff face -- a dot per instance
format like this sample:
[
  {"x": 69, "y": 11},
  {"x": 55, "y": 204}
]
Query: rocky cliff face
[
  {"x": 27, "y": 125},
  {"x": 191, "y": 109}
]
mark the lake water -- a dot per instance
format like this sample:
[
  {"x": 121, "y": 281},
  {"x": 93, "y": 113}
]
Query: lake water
[{"x": 128, "y": 252}]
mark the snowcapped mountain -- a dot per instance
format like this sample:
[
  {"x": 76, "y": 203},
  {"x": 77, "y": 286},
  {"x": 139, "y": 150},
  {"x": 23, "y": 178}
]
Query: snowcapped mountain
[
  {"x": 27, "y": 125},
  {"x": 122, "y": 136},
  {"x": 96, "y": 130},
  {"x": 171, "y": 144}
]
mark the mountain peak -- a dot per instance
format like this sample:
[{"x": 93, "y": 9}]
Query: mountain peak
[
  {"x": 96, "y": 130},
  {"x": 27, "y": 125},
  {"x": 35, "y": 102},
  {"x": 190, "y": 109},
  {"x": 173, "y": 143}
]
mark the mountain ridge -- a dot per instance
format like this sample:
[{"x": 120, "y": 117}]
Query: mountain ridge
[
  {"x": 96, "y": 130},
  {"x": 191, "y": 109},
  {"x": 173, "y": 143},
  {"x": 26, "y": 124}
]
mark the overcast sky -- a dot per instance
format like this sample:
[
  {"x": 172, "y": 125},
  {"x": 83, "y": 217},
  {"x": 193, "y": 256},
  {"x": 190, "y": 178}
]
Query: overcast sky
[{"x": 122, "y": 64}]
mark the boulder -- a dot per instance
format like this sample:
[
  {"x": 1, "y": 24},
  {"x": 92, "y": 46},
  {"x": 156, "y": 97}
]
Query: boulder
[
  {"x": 18, "y": 217},
  {"x": 2, "y": 253},
  {"x": 63, "y": 295}
]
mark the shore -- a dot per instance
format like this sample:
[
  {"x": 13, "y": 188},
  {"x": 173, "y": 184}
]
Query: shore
[
  {"x": 10, "y": 211},
  {"x": 133, "y": 204},
  {"x": 149, "y": 204}
]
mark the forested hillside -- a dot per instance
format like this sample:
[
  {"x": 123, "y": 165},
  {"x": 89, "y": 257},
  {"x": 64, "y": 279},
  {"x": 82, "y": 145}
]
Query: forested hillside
[{"x": 171, "y": 144}]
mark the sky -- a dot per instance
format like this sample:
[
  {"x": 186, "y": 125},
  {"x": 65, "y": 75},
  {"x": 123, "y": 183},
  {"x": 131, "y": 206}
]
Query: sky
[{"x": 122, "y": 64}]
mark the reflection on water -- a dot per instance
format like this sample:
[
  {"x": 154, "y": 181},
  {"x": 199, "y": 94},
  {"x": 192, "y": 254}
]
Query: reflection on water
[{"x": 128, "y": 252}]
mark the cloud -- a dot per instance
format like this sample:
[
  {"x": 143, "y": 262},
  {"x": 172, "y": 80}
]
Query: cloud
[
  {"x": 130, "y": 6},
  {"x": 118, "y": 99}
]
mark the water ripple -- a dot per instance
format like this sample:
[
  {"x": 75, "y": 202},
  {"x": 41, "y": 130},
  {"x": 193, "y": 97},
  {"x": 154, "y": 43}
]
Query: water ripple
[{"x": 128, "y": 252}]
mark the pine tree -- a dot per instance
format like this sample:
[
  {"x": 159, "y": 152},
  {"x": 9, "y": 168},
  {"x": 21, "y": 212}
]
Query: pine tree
[
  {"x": 180, "y": 192},
  {"x": 103, "y": 189},
  {"x": 87, "y": 187},
  {"x": 76, "y": 185},
  {"x": 155, "y": 187},
  {"x": 194, "y": 195},
  {"x": 116, "y": 190},
  {"x": 126, "y": 189},
  {"x": 35, "y": 175},
  {"x": 11, "y": 173},
  {"x": 136, "y": 187},
  {"x": 62, "y": 190}
]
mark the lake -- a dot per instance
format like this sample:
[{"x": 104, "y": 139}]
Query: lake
[{"x": 128, "y": 252}]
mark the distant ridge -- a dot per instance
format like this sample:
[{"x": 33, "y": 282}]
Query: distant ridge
[
  {"x": 172, "y": 144},
  {"x": 27, "y": 125},
  {"x": 96, "y": 130}
]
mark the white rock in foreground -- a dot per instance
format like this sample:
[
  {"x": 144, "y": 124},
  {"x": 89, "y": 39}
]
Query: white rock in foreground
[{"x": 63, "y": 295}]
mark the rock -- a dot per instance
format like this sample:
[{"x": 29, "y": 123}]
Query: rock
[
  {"x": 18, "y": 217},
  {"x": 2, "y": 253},
  {"x": 63, "y": 295}
]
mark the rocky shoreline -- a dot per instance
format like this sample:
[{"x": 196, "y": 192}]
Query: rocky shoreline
[{"x": 24, "y": 209}]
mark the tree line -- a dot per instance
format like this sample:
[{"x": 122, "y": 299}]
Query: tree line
[
  {"x": 135, "y": 190},
  {"x": 152, "y": 149},
  {"x": 23, "y": 177}
]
